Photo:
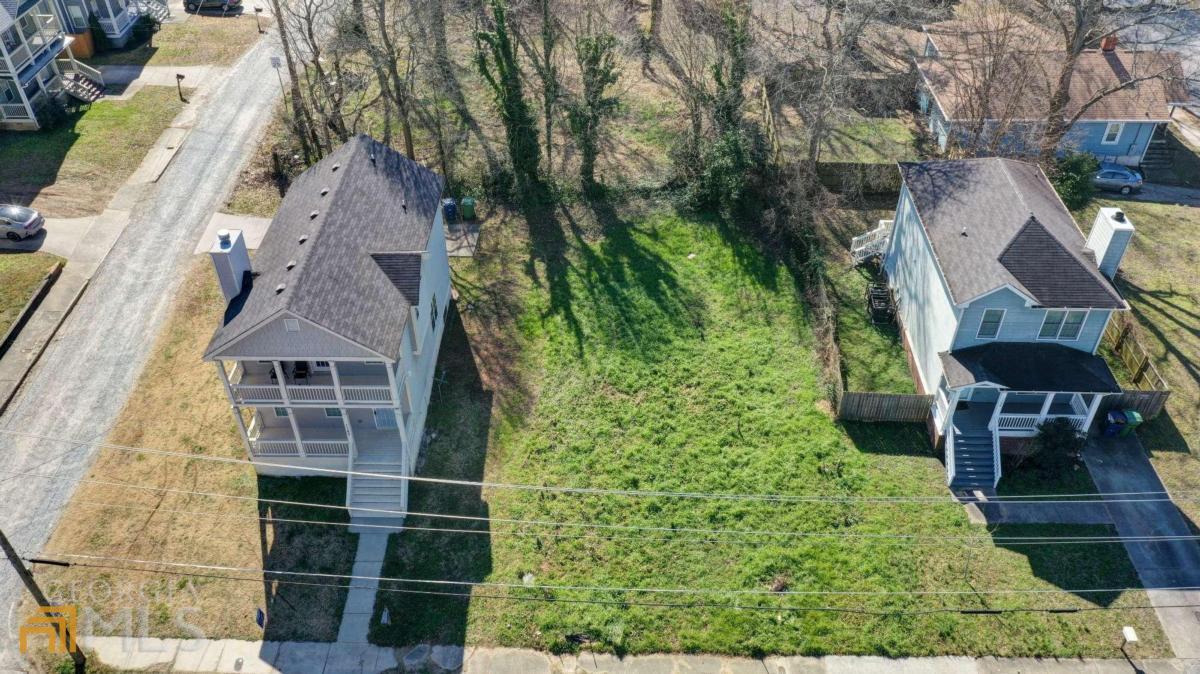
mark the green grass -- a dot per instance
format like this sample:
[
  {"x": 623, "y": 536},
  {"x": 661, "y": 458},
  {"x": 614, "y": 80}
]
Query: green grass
[
  {"x": 668, "y": 355},
  {"x": 199, "y": 41},
  {"x": 1160, "y": 281},
  {"x": 20, "y": 275},
  {"x": 871, "y": 140},
  {"x": 873, "y": 357},
  {"x": 74, "y": 169}
]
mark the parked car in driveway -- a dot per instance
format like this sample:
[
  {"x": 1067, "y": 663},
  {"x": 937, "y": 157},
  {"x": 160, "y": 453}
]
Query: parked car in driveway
[
  {"x": 20, "y": 222},
  {"x": 223, "y": 5},
  {"x": 1117, "y": 178}
]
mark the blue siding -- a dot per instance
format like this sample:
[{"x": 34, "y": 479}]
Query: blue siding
[
  {"x": 1129, "y": 148},
  {"x": 1021, "y": 323},
  {"x": 922, "y": 299}
]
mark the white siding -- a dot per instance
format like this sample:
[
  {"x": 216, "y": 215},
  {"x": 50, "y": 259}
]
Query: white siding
[{"x": 922, "y": 299}]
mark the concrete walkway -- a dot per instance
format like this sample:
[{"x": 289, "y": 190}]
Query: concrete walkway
[
  {"x": 259, "y": 657},
  {"x": 360, "y": 600},
  {"x": 1119, "y": 465},
  {"x": 122, "y": 82}
]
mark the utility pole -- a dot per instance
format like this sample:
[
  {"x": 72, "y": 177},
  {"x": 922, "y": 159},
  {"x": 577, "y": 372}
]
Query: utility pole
[{"x": 30, "y": 584}]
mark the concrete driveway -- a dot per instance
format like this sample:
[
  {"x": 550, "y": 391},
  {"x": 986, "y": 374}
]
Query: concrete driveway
[
  {"x": 1120, "y": 466},
  {"x": 60, "y": 236}
]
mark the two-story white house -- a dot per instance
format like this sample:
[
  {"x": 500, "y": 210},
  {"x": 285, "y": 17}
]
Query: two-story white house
[
  {"x": 330, "y": 339},
  {"x": 1002, "y": 304},
  {"x": 36, "y": 64}
]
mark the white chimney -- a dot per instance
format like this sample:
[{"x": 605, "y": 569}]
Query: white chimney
[
  {"x": 231, "y": 260},
  {"x": 1109, "y": 238}
]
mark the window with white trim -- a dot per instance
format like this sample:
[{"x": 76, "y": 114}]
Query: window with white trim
[
  {"x": 333, "y": 412},
  {"x": 291, "y": 325},
  {"x": 320, "y": 365},
  {"x": 281, "y": 411},
  {"x": 1062, "y": 324},
  {"x": 1112, "y": 133},
  {"x": 989, "y": 325}
]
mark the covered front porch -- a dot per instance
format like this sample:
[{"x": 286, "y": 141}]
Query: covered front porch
[{"x": 1019, "y": 413}]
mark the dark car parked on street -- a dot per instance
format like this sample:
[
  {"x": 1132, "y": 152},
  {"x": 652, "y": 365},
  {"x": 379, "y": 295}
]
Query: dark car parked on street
[
  {"x": 1117, "y": 178},
  {"x": 223, "y": 5}
]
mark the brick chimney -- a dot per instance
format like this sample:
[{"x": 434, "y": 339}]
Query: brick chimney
[{"x": 1109, "y": 42}]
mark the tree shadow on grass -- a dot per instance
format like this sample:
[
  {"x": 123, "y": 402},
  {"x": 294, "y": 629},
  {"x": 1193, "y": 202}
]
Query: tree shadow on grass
[
  {"x": 894, "y": 439},
  {"x": 459, "y": 424},
  {"x": 300, "y": 608},
  {"x": 1073, "y": 567}
]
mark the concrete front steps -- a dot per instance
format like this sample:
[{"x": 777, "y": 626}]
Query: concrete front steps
[{"x": 974, "y": 460}]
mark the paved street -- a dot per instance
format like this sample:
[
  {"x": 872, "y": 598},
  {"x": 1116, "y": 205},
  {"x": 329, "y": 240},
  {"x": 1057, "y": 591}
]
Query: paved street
[
  {"x": 82, "y": 382},
  {"x": 1167, "y": 194}
]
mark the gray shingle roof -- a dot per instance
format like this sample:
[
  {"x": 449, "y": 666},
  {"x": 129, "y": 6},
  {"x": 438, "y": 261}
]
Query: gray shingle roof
[
  {"x": 999, "y": 221},
  {"x": 364, "y": 214},
  {"x": 1022, "y": 366}
]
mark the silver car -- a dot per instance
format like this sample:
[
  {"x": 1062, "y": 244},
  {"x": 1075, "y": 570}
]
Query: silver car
[
  {"x": 1117, "y": 178},
  {"x": 20, "y": 222}
]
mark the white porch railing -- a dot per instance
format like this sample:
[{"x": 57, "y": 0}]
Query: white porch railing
[
  {"x": 312, "y": 394},
  {"x": 251, "y": 394},
  {"x": 20, "y": 55},
  {"x": 115, "y": 26},
  {"x": 367, "y": 394},
  {"x": 317, "y": 448},
  {"x": 995, "y": 459},
  {"x": 1030, "y": 422},
  {"x": 873, "y": 242},
  {"x": 950, "y": 468},
  {"x": 70, "y": 66},
  {"x": 274, "y": 448}
]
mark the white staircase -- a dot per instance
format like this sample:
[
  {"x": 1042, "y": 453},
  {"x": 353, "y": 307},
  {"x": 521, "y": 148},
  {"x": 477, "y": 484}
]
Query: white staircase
[
  {"x": 872, "y": 243},
  {"x": 368, "y": 496}
]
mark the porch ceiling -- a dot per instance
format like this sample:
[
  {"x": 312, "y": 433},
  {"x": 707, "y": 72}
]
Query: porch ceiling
[{"x": 1022, "y": 366}]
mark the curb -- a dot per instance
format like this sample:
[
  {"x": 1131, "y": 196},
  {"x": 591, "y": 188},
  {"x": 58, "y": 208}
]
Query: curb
[{"x": 42, "y": 349}]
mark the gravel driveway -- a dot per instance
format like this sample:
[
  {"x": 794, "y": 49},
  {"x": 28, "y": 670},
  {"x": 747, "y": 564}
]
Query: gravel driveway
[{"x": 86, "y": 374}]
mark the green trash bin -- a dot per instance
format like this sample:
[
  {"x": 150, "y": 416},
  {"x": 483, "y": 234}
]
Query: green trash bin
[
  {"x": 1133, "y": 419},
  {"x": 467, "y": 205}
]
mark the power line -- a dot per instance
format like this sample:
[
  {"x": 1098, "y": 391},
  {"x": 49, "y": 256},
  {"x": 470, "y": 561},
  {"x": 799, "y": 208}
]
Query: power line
[
  {"x": 1007, "y": 540},
  {"x": 887, "y": 538},
  {"x": 596, "y": 491},
  {"x": 693, "y": 605},
  {"x": 597, "y": 588}
]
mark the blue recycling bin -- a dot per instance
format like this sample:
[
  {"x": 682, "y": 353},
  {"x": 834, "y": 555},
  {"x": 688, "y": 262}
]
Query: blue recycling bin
[
  {"x": 1114, "y": 423},
  {"x": 450, "y": 210}
]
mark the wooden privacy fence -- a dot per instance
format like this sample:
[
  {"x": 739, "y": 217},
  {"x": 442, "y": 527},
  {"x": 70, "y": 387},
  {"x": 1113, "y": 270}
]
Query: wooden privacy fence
[
  {"x": 1148, "y": 390},
  {"x": 869, "y": 406}
]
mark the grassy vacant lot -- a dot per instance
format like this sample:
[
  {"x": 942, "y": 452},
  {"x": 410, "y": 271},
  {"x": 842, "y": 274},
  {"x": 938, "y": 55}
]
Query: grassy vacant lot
[
  {"x": 871, "y": 140},
  {"x": 179, "y": 405},
  {"x": 259, "y": 190},
  {"x": 1161, "y": 280},
  {"x": 74, "y": 170},
  {"x": 20, "y": 274},
  {"x": 199, "y": 41},
  {"x": 659, "y": 352}
]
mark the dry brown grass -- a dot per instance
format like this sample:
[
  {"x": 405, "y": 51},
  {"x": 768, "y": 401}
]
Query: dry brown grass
[{"x": 178, "y": 405}]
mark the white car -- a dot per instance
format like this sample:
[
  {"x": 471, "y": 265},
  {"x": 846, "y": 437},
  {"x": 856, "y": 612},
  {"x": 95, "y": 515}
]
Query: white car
[{"x": 20, "y": 222}]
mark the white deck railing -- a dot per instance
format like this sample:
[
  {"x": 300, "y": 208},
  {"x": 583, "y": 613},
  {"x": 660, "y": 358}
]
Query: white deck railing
[
  {"x": 326, "y": 447},
  {"x": 250, "y": 394},
  {"x": 367, "y": 394},
  {"x": 1030, "y": 422},
  {"x": 274, "y": 448},
  {"x": 873, "y": 242},
  {"x": 69, "y": 66},
  {"x": 317, "y": 448},
  {"x": 311, "y": 394}
]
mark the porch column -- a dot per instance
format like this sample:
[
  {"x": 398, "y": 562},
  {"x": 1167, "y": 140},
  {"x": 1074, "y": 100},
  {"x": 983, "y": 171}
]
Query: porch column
[
  {"x": 296, "y": 431},
  {"x": 1092, "y": 409},
  {"x": 337, "y": 384},
  {"x": 237, "y": 411},
  {"x": 1045, "y": 408},
  {"x": 279, "y": 378},
  {"x": 996, "y": 412},
  {"x": 353, "y": 453},
  {"x": 395, "y": 392}
]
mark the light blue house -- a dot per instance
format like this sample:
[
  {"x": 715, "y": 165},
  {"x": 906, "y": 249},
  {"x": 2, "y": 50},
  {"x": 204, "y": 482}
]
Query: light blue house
[
  {"x": 957, "y": 87},
  {"x": 1002, "y": 303}
]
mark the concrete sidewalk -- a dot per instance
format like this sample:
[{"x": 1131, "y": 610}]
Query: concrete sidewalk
[{"x": 268, "y": 657}]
